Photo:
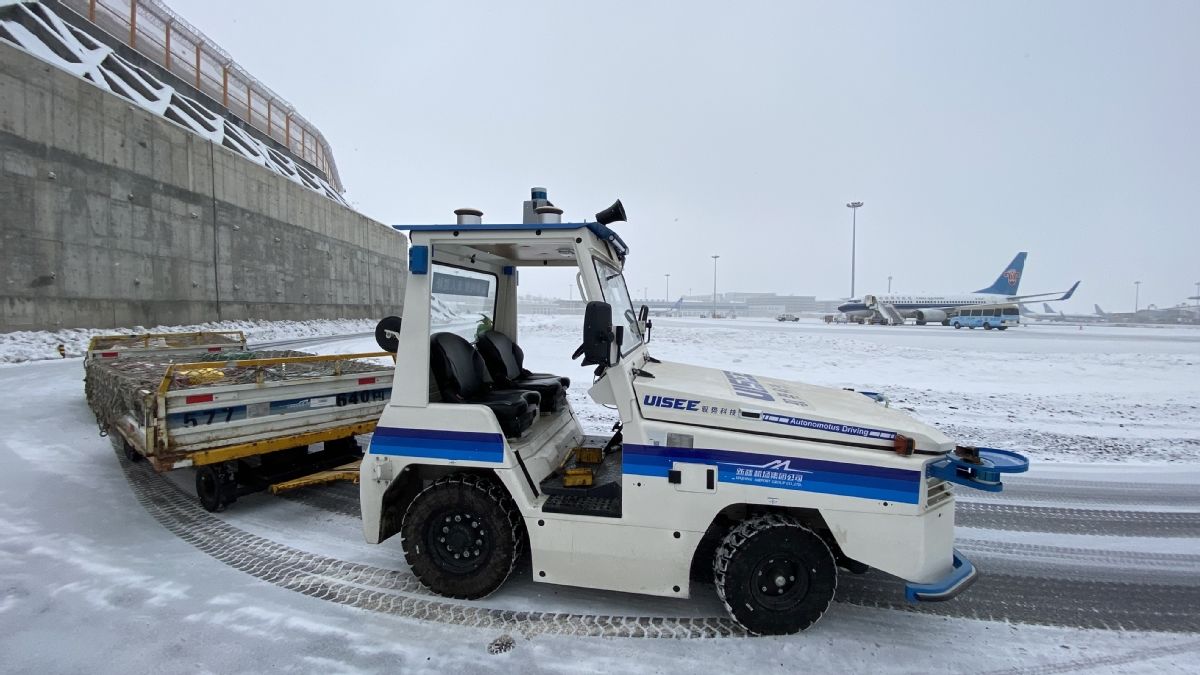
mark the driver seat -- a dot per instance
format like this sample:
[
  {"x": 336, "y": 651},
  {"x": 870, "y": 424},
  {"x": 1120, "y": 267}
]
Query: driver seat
[
  {"x": 506, "y": 363},
  {"x": 462, "y": 378}
]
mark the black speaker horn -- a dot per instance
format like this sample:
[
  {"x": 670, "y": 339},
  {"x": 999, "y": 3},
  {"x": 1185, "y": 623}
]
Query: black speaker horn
[{"x": 613, "y": 214}]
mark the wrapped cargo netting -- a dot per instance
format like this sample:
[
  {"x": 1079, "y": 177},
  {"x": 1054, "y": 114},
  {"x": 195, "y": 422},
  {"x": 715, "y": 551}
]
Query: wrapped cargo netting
[{"x": 117, "y": 388}]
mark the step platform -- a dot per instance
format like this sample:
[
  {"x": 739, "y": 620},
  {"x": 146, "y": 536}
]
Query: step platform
[
  {"x": 583, "y": 506},
  {"x": 601, "y": 499}
]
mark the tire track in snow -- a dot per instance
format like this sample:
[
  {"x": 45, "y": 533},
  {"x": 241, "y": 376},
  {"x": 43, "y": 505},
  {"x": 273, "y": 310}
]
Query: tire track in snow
[
  {"x": 1023, "y": 518},
  {"x": 1061, "y": 602},
  {"x": 1162, "y": 497}
]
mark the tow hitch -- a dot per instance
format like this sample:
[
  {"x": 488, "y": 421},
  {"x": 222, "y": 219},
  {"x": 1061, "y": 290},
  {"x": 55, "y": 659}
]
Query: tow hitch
[{"x": 978, "y": 468}]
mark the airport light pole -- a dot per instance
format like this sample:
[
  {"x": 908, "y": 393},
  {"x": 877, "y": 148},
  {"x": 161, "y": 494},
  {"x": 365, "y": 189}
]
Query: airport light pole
[
  {"x": 714, "y": 313},
  {"x": 1137, "y": 289},
  {"x": 889, "y": 283},
  {"x": 854, "y": 207},
  {"x": 668, "y": 276}
]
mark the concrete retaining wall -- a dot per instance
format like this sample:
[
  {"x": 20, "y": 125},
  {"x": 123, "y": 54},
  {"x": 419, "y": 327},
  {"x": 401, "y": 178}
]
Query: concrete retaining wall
[{"x": 111, "y": 216}]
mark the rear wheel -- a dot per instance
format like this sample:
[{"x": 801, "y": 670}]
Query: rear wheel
[
  {"x": 774, "y": 575},
  {"x": 987, "y": 326},
  {"x": 461, "y": 536}
]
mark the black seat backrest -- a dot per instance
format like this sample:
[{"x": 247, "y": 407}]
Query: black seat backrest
[
  {"x": 504, "y": 358},
  {"x": 457, "y": 367}
]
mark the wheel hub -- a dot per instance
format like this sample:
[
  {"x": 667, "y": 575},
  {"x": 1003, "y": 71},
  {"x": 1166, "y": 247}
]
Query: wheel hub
[
  {"x": 459, "y": 541},
  {"x": 779, "y": 582}
]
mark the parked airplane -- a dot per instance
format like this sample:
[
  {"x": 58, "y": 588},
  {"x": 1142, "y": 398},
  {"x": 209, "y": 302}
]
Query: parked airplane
[
  {"x": 673, "y": 310},
  {"x": 1051, "y": 315},
  {"x": 934, "y": 308}
]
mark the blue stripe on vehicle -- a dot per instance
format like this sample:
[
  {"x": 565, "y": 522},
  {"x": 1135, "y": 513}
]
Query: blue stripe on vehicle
[
  {"x": 791, "y": 473},
  {"x": 467, "y": 446}
]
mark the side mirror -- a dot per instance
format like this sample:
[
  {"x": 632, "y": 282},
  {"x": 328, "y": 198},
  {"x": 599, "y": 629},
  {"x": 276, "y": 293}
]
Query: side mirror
[
  {"x": 597, "y": 334},
  {"x": 387, "y": 334},
  {"x": 644, "y": 322}
]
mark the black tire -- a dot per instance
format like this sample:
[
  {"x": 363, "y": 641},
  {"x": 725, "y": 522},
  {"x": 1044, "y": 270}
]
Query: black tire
[
  {"x": 987, "y": 326},
  {"x": 957, "y": 325},
  {"x": 131, "y": 452},
  {"x": 1001, "y": 327},
  {"x": 945, "y": 322},
  {"x": 216, "y": 487},
  {"x": 462, "y": 514},
  {"x": 800, "y": 567}
]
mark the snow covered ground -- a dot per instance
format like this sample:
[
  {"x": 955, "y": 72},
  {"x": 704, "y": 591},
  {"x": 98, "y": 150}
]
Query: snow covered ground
[
  {"x": 1101, "y": 394},
  {"x": 23, "y": 346},
  {"x": 106, "y": 567}
]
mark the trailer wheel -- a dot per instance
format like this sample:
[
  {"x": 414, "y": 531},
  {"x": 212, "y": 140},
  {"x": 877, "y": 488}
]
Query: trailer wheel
[
  {"x": 216, "y": 486},
  {"x": 774, "y": 575},
  {"x": 461, "y": 536},
  {"x": 131, "y": 452}
]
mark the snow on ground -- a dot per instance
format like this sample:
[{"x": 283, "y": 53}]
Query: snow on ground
[
  {"x": 1101, "y": 394},
  {"x": 90, "y": 581},
  {"x": 23, "y": 346}
]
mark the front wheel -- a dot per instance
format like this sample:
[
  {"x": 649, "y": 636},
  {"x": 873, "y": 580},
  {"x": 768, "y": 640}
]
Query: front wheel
[
  {"x": 216, "y": 486},
  {"x": 774, "y": 575},
  {"x": 957, "y": 325},
  {"x": 1001, "y": 327},
  {"x": 461, "y": 536},
  {"x": 987, "y": 326}
]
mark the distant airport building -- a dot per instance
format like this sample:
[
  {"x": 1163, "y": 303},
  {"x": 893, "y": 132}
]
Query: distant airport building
[{"x": 730, "y": 304}]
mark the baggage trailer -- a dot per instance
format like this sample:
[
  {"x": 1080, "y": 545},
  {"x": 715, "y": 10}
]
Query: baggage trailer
[
  {"x": 164, "y": 344},
  {"x": 244, "y": 420},
  {"x": 775, "y": 486}
]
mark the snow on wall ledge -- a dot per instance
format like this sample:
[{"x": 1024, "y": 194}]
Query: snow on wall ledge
[{"x": 37, "y": 30}]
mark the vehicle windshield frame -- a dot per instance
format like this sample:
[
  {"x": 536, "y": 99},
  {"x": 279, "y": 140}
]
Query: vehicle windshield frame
[{"x": 615, "y": 292}]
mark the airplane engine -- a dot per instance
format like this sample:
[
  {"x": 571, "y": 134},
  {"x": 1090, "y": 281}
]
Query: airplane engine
[{"x": 929, "y": 316}]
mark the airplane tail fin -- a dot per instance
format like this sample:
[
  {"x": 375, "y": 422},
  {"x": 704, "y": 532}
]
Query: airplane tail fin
[
  {"x": 1010, "y": 279},
  {"x": 1025, "y": 310},
  {"x": 1047, "y": 308},
  {"x": 678, "y": 305},
  {"x": 1100, "y": 311}
]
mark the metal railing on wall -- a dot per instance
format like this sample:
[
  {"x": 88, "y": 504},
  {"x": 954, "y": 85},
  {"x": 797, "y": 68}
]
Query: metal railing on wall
[{"x": 158, "y": 33}]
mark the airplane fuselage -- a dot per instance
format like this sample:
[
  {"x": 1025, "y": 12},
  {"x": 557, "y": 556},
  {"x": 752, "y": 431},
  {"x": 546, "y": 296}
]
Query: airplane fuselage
[{"x": 908, "y": 304}]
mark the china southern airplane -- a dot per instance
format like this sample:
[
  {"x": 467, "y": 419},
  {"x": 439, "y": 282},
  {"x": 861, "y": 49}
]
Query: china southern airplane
[{"x": 935, "y": 308}]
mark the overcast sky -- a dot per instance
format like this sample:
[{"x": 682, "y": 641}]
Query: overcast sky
[{"x": 970, "y": 130}]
